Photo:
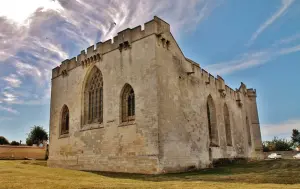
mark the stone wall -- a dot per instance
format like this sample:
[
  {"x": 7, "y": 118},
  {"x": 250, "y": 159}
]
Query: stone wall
[
  {"x": 111, "y": 146},
  {"x": 170, "y": 132},
  {"x": 183, "y": 124}
]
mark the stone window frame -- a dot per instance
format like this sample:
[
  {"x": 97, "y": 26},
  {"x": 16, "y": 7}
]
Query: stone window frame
[
  {"x": 212, "y": 122},
  {"x": 227, "y": 124},
  {"x": 64, "y": 125},
  {"x": 127, "y": 105},
  {"x": 92, "y": 113}
]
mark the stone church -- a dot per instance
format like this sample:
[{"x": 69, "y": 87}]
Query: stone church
[{"x": 136, "y": 104}]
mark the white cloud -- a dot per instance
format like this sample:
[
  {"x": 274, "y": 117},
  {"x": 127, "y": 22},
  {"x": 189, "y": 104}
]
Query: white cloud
[
  {"x": 19, "y": 11},
  {"x": 4, "y": 118},
  {"x": 283, "y": 130},
  {"x": 289, "y": 50},
  {"x": 9, "y": 97},
  {"x": 27, "y": 69},
  {"x": 287, "y": 40},
  {"x": 8, "y": 109},
  {"x": 13, "y": 80},
  {"x": 250, "y": 60},
  {"x": 37, "y": 35},
  {"x": 285, "y": 5}
]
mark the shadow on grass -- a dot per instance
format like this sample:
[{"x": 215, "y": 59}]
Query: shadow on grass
[{"x": 267, "y": 171}]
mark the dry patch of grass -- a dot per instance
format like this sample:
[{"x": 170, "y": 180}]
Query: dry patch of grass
[
  {"x": 22, "y": 152},
  {"x": 264, "y": 174}
]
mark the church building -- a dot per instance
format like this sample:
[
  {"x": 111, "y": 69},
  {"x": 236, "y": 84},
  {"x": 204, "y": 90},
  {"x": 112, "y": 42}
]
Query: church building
[{"x": 136, "y": 104}]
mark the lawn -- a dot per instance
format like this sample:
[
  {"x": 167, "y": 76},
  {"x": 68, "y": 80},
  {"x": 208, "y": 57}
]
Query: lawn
[
  {"x": 21, "y": 152},
  {"x": 265, "y": 174}
]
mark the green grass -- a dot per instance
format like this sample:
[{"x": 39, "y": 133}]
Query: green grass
[{"x": 263, "y": 174}]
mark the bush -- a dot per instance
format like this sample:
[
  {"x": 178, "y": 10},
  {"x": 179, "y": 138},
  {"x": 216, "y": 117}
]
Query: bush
[
  {"x": 14, "y": 143},
  {"x": 37, "y": 136},
  {"x": 3, "y": 140},
  {"x": 277, "y": 145}
]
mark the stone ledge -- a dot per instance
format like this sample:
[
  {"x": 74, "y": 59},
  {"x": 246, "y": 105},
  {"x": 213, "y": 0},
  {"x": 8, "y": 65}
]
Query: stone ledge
[
  {"x": 124, "y": 124},
  {"x": 88, "y": 127},
  {"x": 64, "y": 136}
]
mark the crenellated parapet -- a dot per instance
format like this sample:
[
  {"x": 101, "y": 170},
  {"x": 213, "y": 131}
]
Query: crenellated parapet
[
  {"x": 218, "y": 84},
  {"x": 122, "y": 41}
]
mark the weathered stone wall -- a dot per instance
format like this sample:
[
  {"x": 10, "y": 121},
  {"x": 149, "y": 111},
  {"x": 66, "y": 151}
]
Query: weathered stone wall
[
  {"x": 170, "y": 132},
  {"x": 110, "y": 146},
  {"x": 183, "y": 123}
]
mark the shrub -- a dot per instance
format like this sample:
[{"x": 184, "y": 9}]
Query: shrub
[
  {"x": 14, "y": 143},
  {"x": 3, "y": 140}
]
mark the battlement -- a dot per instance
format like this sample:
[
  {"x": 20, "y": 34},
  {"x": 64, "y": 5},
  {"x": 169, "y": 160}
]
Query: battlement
[
  {"x": 121, "y": 41},
  {"x": 218, "y": 84}
]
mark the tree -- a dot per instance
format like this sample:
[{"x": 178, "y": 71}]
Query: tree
[
  {"x": 3, "y": 140},
  {"x": 296, "y": 137},
  {"x": 14, "y": 143},
  {"x": 277, "y": 145},
  {"x": 36, "y": 136}
]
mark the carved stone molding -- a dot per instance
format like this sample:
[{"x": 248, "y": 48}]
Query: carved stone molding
[
  {"x": 64, "y": 73},
  {"x": 91, "y": 59},
  {"x": 163, "y": 41},
  {"x": 124, "y": 46}
]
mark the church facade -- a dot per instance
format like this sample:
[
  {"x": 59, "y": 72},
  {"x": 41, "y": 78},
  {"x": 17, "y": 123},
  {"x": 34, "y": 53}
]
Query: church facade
[{"x": 137, "y": 104}]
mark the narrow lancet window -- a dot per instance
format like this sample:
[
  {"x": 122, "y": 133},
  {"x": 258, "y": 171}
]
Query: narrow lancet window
[
  {"x": 128, "y": 103},
  {"x": 64, "y": 128},
  {"x": 93, "y": 100},
  {"x": 227, "y": 126},
  {"x": 212, "y": 122}
]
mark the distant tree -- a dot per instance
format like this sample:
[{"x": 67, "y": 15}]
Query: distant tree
[
  {"x": 14, "y": 143},
  {"x": 296, "y": 137},
  {"x": 29, "y": 142},
  {"x": 3, "y": 140},
  {"x": 266, "y": 146},
  {"x": 277, "y": 145},
  {"x": 36, "y": 136}
]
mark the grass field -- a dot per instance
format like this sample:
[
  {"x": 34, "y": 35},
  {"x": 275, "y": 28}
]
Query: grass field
[
  {"x": 21, "y": 152},
  {"x": 265, "y": 174}
]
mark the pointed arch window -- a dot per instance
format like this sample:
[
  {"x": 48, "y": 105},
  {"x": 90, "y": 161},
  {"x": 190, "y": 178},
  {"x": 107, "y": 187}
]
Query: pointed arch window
[
  {"x": 212, "y": 122},
  {"x": 93, "y": 98},
  {"x": 128, "y": 103},
  {"x": 65, "y": 116},
  {"x": 227, "y": 125}
]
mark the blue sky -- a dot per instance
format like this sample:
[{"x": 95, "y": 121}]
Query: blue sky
[{"x": 254, "y": 41}]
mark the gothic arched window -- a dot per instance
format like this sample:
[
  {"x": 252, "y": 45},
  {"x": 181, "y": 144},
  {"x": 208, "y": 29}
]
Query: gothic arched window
[
  {"x": 248, "y": 131},
  {"x": 93, "y": 98},
  {"x": 212, "y": 122},
  {"x": 65, "y": 116},
  {"x": 227, "y": 125},
  {"x": 128, "y": 103}
]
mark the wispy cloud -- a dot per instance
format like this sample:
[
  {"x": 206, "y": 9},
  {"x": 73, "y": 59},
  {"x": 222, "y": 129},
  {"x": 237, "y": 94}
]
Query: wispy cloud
[
  {"x": 249, "y": 60},
  {"x": 285, "y": 5},
  {"x": 49, "y": 32},
  {"x": 8, "y": 109},
  {"x": 283, "y": 130},
  {"x": 287, "y": 40},
  {"x": 13, "y": 80},
  {"x": 4, "y": 118},
  {"x": 8, "y": 97}
]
